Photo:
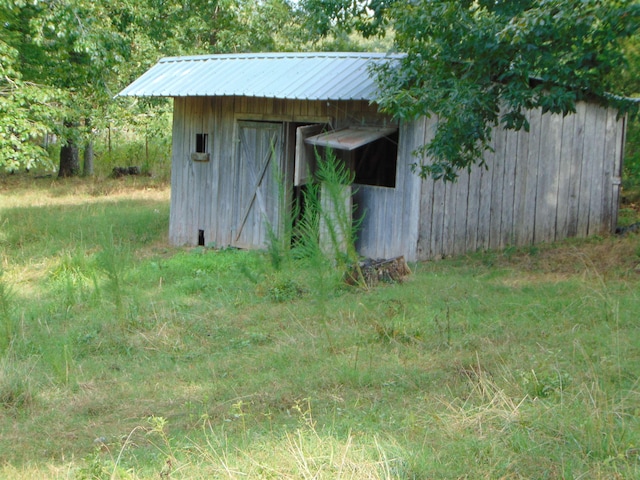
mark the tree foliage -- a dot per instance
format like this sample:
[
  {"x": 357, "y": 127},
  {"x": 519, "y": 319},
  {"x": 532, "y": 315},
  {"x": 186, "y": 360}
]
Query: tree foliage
[
  {"x": 28, "y": 111},
  {"x": 64, "y": 60},
  {"x": 627, "y": 79},
  {"x": 368, "y": 17},
  {"x": 477, "y": 64},
  {"x": 473, "y": 63}
]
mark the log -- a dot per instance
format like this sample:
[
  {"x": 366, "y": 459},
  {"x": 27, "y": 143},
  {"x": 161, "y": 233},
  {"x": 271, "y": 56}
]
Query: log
[{"x": 371, "y": 272}]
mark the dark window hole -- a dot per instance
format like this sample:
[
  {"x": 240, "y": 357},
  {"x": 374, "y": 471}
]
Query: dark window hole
[{"x": 201, "y": 142}]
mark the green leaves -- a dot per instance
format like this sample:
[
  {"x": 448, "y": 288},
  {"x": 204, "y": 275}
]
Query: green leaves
[
  {"x": 25, "y": 109},
  {"x": 473, "y": 63},
  {"x": 480, "y": 64},
  {"x": 63, "y": 61}
]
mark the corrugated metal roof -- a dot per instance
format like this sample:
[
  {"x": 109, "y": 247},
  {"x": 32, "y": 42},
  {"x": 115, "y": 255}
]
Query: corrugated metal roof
[{"x": 302, "y": 76}]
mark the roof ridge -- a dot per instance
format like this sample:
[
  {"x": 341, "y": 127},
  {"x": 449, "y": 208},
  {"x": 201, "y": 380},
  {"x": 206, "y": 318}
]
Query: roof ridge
[{"x": 274, "y": 55}]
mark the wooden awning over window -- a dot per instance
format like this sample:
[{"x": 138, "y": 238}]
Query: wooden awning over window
[{"x": 350, "y": 138}]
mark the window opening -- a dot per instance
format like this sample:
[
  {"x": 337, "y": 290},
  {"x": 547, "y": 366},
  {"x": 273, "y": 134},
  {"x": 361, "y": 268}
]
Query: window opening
[
  {"x": 201, "y": 238},
  {"x": 201, "y": 142},
  {"x": 375, "y": 163},
  {"x": 371, "y": 153}
]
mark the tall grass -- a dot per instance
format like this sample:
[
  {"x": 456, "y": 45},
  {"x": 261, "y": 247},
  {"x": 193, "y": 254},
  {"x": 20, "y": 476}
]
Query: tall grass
[
  {"x": 152, "y": 155},
  {"x": 319, "y": 235},
  {"x": 8, "y": 321},
  {"x": 127, "y": 358}
]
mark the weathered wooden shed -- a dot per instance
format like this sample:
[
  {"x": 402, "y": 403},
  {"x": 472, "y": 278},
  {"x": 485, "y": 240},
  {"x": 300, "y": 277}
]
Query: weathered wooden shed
[{"x": 245, "y": 127}]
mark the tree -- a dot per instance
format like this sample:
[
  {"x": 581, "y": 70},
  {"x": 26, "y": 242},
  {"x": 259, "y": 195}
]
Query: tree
[
  {"x": 86, "y": 50},
  {"x": 28, "y": 110},
  {"x": 627, "y": 79},
  {"x": 69, "y": 48},
  {"x": 477, "y": 64},
  {"x": 86, "y": 45}
]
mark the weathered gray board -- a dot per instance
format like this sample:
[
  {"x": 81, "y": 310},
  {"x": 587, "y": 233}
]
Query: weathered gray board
[
  {"x": 560, "y": 179},
  {"x": 219, "y": 197},
  {"x": 257, "y": 201}
]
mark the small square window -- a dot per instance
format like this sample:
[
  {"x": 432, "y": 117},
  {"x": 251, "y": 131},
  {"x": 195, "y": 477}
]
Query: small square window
[
  {"x": 202, "y": 142},
  {"x": 201, "y": 153}
]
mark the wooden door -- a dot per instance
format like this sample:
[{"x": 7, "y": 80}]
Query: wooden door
[{"x": 258, "y": 204}]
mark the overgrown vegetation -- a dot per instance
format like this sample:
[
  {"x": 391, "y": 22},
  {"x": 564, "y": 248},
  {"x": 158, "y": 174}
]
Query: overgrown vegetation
[
  {"x": 123, "y": 358},
  {"x": 631, "y": 173},
  {"x": 469, "y": 62},
  {"x": 478, "y": 64},
  {"x": 320, "y": 229}
]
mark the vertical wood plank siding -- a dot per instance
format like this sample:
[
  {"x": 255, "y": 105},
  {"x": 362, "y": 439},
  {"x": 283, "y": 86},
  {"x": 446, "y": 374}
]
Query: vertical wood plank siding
[
  {"x": 178, "y": 192},
  {"x": 204, "y": 194},
  {"x": 558, "y": 180}
]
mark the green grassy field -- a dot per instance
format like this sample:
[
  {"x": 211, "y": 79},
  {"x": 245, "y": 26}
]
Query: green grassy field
[{"x": 122, "y": 357}]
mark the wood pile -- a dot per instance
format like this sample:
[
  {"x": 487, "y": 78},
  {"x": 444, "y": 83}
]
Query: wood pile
[{"x": 370, "y": 272}]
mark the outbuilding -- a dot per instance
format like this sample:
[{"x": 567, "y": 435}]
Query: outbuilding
[{"x": 245, "y": 127}]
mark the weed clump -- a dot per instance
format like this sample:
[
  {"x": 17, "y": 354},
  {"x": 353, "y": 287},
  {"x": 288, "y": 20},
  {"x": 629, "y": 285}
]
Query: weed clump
[
  {"x": 16, "y": 391},
  {"x": 8, "y": 323},
  {"x": 281, "y": 290},
  {"x": 321, "y": 230}
]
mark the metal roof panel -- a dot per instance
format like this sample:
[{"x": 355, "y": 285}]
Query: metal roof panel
[{"x": 302, "y": 76}]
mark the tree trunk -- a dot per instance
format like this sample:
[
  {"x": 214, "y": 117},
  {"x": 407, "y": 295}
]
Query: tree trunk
[
  {"x": 69, "y": 160},
  {"x": 87, "y": 158},
  {"x": 87, "y": 164}
]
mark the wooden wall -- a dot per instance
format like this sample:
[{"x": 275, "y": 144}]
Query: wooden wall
[
  {"x": 203, "y": 193},
  {"x": 559, "y": 180},
  {"x": 390, "y": 216}
]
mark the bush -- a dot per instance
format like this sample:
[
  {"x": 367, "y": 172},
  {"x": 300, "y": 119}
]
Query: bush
[{"x": 631, "y": 170}]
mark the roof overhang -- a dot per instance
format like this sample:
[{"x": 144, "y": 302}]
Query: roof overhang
[
  {"x": 297, "y": 76},
  {"x": 350, "y": 138}
]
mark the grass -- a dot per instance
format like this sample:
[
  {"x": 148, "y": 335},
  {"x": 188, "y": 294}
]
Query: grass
[{"x": 123, "y": 357}]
